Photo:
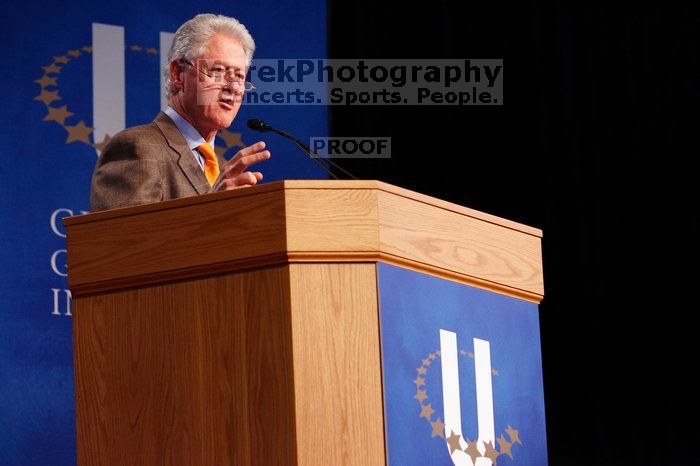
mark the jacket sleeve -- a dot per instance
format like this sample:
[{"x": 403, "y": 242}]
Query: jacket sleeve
[{"x": 127, "y": 173}]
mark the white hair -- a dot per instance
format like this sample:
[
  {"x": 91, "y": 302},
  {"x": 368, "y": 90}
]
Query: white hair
[{"x": 191, "y": 38}]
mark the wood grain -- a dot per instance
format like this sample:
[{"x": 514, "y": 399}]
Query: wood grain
[
  {"x": 331, "y": 220},
  {"x": 292, "y": 221},
  {"x": 173, "y": 239},
  {"x": 196, "y": 372},
  {"x": 443, "y": 239},
  {"x": 337, "y": 372}
]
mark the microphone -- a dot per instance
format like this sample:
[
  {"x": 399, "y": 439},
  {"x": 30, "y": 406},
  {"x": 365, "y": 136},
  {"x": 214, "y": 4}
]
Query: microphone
[
  {"x": 262, "y": 127},
  {"x": 257, "y": 125}
]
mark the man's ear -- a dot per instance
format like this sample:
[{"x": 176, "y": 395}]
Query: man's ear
[{"x": 175, "y": 74}]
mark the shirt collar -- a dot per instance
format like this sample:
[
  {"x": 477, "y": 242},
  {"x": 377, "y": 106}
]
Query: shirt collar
[{"x": 191, "y": 135}]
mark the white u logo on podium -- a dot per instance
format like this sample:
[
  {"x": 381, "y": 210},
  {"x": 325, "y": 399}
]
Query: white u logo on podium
[{"x": 450, "y": 396}]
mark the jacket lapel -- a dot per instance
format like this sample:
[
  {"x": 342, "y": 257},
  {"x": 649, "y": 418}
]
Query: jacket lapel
[{"x": 185, "y": 160}]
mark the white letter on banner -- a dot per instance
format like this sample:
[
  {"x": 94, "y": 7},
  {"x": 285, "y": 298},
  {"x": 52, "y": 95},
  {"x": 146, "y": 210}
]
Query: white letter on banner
[
  {"x": 451, "y": 401},
  {"x": 56, "y": 304},
  {"x": 108, "y": 81},
  {"x": 55, "y": 223},
  {"x": 166, "y": 41},
  {"x": 54, "y": 263}
]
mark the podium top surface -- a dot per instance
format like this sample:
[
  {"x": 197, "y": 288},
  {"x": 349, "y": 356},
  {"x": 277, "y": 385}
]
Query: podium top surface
[{"x": 302, "y": 221}]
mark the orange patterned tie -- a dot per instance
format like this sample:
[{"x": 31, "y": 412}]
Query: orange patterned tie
[{"x": 211, "y": 164}]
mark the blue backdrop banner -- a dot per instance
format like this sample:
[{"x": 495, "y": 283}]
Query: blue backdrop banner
[{"x": 51, "y": 133}]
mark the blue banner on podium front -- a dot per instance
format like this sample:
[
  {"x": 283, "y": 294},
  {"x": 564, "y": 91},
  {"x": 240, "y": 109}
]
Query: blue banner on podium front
[{"x": 462, "y": 374}]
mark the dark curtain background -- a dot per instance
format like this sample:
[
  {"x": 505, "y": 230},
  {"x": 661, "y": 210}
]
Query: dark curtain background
[{"x": 595, "y": 145}]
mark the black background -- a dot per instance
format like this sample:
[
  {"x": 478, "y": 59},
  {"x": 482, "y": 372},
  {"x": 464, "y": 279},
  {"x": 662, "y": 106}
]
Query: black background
[{"x": 594, "y": 144}]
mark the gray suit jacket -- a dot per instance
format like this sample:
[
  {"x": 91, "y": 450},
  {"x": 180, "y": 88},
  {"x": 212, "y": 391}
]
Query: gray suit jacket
[{"x": 145, "y": 164}]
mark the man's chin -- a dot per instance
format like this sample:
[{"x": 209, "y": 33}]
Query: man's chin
[{"x": 225, "y": 120}]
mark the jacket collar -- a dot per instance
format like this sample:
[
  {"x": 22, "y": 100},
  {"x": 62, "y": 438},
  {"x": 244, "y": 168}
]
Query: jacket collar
[{"x": 186, "y": 160}]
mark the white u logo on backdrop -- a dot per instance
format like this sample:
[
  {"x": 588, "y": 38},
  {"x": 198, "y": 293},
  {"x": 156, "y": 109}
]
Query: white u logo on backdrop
[
  {"x": 108, "y": 78},
  {"x": 451, "y": 402}
]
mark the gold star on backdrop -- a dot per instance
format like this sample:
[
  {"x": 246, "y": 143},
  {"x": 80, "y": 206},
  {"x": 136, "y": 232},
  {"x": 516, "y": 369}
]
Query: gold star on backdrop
[
  {"x": 46, "y": 81},
  {"x": 504, "y": 446},
  {"x": 490, "y": 452},
  {"x": 421, "y": 395},
  {"x": 52, "y": 68},
  {"x": 453, "y": 442},
  {"x": 514, "y": 435},
  {"x": 426, "y": 362},
  {"x": 438, "y": 428},
  {"x": 494, "y": 372},
  {"x": 422, "y": 370},
  {"x": 47, "y": 96},
  {"x": 427, "y": 412},
  {"x": 432, "y": 356},
  {"x": 231, "y": 139},
  {"x": 152, "y": 51},
  {"x": 462, "y": 352},
  {"x": 58, "y": 114},
  {"x": 62, "y": 59},
  {"x": 220, "y": 150},
  {"x": 136, "y": 48},
  {"x": 79, "y": 132},
  {"x": 74, "y": 53},
  {"x": 472, "y": 450},
  {"x": 86, "y": 49},
  {"x": 419, "y": 381},
  {"x": 101, "y": 145}
]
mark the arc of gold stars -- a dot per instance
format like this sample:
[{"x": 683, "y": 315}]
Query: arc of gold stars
[
  {"x": 58, "y": 114},
  {"x": 453, "y": 439},
  {"x": 78, "y": 132},
  {"x": 504, "y": 446},
  {"x": 472, "y": 450},
  {"x": 81, "y": 132},
  {"x": 491, "y": 453},
  {"x": 453, "y": 442},
  {"x": 438, "y": 428}
]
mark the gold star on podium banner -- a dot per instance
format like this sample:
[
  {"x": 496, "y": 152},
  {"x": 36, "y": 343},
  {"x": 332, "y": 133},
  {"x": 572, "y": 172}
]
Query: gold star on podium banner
[
  {"x": 472, "y": 450},
  {"x": 427, "y": 412},
  {"x": 491, "y": 452},
  {"x": 438, "y": 428},
  {"x": 453, "y": 442},
  {"x": 504, "y": 446},
  {"x": 514, "y": 435}
]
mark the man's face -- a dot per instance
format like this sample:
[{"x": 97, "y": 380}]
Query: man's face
[{"x": 208, "y": 98}]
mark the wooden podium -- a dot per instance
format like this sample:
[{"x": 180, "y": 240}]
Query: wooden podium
[{"x": 242, "y": 328}]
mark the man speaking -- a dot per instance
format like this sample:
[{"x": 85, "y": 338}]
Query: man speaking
[{"x": 174, "y": 156}]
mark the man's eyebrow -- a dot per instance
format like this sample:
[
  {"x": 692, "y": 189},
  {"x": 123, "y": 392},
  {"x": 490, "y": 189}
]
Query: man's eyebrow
[
  {"x": 230, "y": 67},
  {"x": 212, "y": 62}
]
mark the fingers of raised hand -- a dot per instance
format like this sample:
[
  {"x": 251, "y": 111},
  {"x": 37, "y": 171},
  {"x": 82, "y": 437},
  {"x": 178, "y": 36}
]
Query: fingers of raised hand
[{"x": 241, "y": 180}]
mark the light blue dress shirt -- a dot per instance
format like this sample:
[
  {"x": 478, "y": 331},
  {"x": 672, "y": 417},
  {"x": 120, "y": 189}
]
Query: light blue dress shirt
[{"x": 191, "y": 135}]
